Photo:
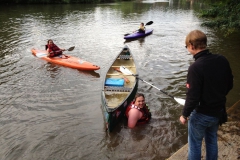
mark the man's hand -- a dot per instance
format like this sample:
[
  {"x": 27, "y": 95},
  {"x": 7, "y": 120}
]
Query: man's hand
[{"x": 183, "y": 120}]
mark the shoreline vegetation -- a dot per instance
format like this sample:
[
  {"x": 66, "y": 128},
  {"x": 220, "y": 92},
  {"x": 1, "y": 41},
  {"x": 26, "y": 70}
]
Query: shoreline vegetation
[
  {"x": 223, "y": 15},
  {"x": 54, "y": 1}
]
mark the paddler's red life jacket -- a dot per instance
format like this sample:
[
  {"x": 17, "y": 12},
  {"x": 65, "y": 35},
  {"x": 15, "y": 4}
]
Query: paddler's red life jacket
[
  {"x": 54, "y": 50},
  {"x": 145, "y": 111}
]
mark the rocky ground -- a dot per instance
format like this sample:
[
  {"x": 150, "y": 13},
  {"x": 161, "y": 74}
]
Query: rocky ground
[{"x": 228, "y": 138}]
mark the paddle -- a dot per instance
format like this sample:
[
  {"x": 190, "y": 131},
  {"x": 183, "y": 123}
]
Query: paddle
[
  {"x": 45, "y": 54},
  {"x": 71, "y": 48},
  {"x": 148, "y": 23},
  {"x": 127, "y": 72}
]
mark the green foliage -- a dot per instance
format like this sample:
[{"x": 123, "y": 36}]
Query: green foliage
[
  {"x": 223, "y": 16},
  {"x": 48, "y": 1}
]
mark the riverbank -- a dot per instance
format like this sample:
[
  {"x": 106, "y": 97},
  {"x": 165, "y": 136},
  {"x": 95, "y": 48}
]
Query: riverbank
[
  {"x": 228, "y": 138},
  {"x": 52, "y": 1}
]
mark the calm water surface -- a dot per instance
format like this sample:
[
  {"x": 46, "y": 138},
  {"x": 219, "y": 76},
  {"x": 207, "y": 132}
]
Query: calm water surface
[{"x": 50, "y": 112}]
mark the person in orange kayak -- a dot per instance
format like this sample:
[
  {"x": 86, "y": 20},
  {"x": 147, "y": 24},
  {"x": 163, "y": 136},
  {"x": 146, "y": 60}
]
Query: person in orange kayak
[
  {"x": 138, "y": 112},
  {"x": 53, "y": 50}
]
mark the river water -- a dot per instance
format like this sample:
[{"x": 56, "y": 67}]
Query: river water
[{"x": 50, "y": 112}]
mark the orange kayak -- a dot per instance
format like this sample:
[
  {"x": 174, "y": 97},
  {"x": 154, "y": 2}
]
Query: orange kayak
[{"x": 69, "y": 61}]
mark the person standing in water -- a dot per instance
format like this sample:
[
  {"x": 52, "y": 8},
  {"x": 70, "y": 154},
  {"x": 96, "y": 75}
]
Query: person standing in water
[{"x": 137, "y": 112}]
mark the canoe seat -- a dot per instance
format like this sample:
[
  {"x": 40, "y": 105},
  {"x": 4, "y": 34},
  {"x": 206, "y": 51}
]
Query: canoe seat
[
  {"x": 124, "y": 56},
  {"x": 118, "y": 89},
  {"x": 118, "y": 82}
]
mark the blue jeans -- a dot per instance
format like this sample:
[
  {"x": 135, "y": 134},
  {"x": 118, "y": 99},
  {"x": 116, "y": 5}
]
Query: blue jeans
[{"x": 202, "y": 126}]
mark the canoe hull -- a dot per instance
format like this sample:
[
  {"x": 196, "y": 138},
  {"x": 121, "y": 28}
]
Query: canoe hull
[
  {"x": 115, "y": 99},
  {"x": 70, "y": 61},
  {"x": 138, "y": 34},
  {"x": 112, "y": 118}
]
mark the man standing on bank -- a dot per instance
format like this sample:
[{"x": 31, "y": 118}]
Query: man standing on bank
[{"x": 209, "y": 80}]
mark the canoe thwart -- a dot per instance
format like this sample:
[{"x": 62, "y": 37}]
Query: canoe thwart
[
  {"x": 118, "y": 89},
  {"x": 124, "y": 56}
]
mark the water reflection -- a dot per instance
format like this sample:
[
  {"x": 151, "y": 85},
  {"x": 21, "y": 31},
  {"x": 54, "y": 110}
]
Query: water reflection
[
  {"x": 92, "y": 73},
  {"x": 140, "y": 40},
  {"x": 52, "y": 69},
  {"x": 156, "y": 1}
]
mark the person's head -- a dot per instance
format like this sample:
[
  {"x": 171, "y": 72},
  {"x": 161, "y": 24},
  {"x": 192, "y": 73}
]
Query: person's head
[
  {"x": 139, "y": 100},
  {"x": 196, "y": 39},
  {"x": 142, "y": 24},
  {"x": 50, "y": 41}
]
